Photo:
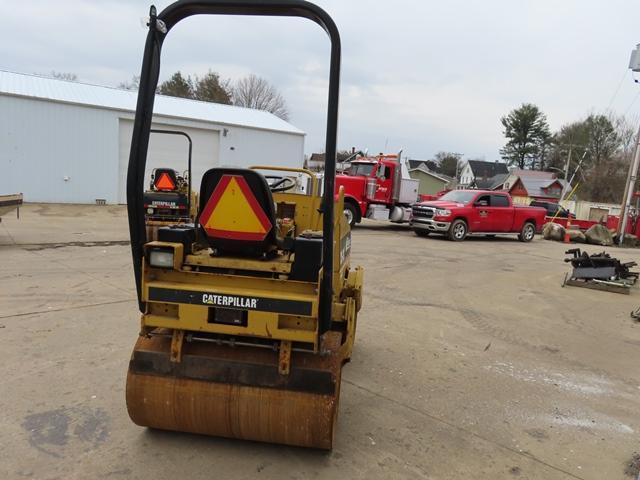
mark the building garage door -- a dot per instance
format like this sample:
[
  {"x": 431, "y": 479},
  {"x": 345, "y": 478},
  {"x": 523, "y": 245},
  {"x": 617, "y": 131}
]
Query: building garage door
[{"x": 169, "y": 151}]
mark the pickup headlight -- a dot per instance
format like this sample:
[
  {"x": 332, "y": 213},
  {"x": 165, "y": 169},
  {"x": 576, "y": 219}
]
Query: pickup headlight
[
  {"x": 161, "y": 258},
  {"x": 442, "y": 212}
]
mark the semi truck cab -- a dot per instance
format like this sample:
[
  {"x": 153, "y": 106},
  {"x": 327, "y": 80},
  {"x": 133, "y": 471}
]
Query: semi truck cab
[{"x": 376, "y": 188}]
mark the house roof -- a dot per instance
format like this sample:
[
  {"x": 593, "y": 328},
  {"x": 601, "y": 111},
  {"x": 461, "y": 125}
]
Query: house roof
[
  {"x": 63, "y": 91},
  {"x": 493, "y": 182},
  {"x": 417, "y": 163},
  {"x": 535, "y": 185},
  {"x": 533, "y": 174},
  {"x": 424, "y": 169},
  {"x": 487, "y": 169},
  {"x": 340, "y": 157}
]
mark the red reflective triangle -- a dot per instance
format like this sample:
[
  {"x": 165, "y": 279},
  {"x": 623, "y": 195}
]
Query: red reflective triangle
[{"x": 165, "y": 182}]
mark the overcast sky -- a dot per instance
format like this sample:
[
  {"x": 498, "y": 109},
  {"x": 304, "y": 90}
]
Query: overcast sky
[{"x": 420, "y": 75}]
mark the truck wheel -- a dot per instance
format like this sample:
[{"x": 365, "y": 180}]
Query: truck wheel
[
  {"x": 527, "y": 233},
  {"x": 351, "y": 214},
  {"x": 458, "y": 230},
  {"x": 421, "y": 233}
]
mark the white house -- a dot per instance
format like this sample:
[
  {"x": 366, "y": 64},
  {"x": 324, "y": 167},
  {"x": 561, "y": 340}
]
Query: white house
[
  {"x": 481, "y": 174},
  {"x": 69, "y": 142}
]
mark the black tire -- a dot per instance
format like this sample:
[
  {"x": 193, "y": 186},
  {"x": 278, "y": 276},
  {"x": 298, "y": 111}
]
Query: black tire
[
  {"x": 458, "y": 230},
  {"x": 351, "y": 212},
  {"x": 527, "y": 233},
  {"x": 420, "y": 232}
]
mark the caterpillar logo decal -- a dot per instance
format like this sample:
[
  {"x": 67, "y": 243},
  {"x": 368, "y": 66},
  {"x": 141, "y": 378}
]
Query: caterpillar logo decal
[
  {"x": 229, "y": 301},
  {"x": 237, "y": 302},
  {"x": 162, "y": 203}
]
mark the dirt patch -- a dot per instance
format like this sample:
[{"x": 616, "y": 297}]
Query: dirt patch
[
  {"x": 632, "y": 468},
  {"x": 538, "y": 434}
]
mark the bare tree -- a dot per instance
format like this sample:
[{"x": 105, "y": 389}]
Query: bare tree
[
  {"x": 255, "y": 92},
  {"x": 134, "y": 84},
  {"x": 71, "y": 77}
]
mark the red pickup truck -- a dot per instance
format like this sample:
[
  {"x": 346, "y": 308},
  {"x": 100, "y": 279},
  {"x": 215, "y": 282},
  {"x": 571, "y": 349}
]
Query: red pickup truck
[{"x": 464, "y": 212}]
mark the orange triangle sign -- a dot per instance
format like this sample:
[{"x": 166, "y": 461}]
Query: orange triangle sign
[
  {"x": 165, "y": 182},
  {"x": 232, "y": 212}
]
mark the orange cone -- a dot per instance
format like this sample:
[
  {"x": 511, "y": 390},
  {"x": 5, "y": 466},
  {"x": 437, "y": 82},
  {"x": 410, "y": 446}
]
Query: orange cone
[{"x": 567, "y": 239}]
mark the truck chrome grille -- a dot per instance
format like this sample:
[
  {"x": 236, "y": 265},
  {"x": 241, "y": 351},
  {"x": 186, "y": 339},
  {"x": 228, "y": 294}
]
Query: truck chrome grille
[{"x": 423, "y": 212}]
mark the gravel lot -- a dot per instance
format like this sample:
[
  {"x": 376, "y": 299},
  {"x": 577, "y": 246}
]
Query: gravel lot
[{"x": 470, "y": 362}]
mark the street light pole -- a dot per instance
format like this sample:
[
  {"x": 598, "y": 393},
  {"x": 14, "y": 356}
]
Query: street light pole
[
  {"x": 633, "y": 173},
  {"x": 634, "y": 65}
]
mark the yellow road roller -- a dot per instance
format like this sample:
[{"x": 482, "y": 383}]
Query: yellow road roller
[{"x": 249, "y": 313}]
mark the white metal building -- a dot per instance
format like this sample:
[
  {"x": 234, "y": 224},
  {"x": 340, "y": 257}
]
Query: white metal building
[{"x": 69, "y": 142}]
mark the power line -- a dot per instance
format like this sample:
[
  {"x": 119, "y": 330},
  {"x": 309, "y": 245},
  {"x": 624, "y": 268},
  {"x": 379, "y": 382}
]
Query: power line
[
  {"x": 632, "y": 103},
  {"x": 615, "y": 94}
]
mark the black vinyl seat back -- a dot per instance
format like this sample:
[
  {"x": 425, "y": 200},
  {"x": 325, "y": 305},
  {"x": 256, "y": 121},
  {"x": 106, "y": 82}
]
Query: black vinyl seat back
[{"x": 214, "y": 183}]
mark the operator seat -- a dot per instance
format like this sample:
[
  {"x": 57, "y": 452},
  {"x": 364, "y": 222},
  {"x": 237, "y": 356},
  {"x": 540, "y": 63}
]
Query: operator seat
[{"x": 227, "y": 241}]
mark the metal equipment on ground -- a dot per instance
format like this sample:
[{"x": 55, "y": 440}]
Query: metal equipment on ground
[
  {"x": 9, "y": 203},
  {"x": 599, "y": 271},
  {"x": 249, "y": 314}
]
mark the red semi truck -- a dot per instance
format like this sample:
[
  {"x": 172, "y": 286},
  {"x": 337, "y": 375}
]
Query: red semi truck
[
  {"x": 466, "y": 212},
  {"x": 378, "y": 188}
]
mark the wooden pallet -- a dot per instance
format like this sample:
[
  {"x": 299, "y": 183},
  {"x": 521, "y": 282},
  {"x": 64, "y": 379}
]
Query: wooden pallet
[{"x": 613, "y": 287}]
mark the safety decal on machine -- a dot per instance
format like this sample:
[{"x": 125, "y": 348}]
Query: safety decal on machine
[
  {"x": 345, "y": 247},
  {"x": 233, "y": 212},
  {"x": 238, "y": 302},
  {"x": 164, "y": 182}
]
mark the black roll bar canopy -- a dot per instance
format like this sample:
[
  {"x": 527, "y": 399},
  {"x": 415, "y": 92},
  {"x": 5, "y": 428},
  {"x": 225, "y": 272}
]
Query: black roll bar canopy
[
  {"x": 186, "y": 135},
  {"x": 159, "y": 26}
]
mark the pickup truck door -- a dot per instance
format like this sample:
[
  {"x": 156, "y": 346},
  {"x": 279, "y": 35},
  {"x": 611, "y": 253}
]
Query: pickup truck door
[
  {"x": 480, "y": 214},
  {"x": 501, "y": 213}
]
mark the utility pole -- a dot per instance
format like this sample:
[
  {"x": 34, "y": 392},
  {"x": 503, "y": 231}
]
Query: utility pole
[
  {"x": 458, "y": 158},
  {"x": 566, "y": 174},
  {"x": 633, "y": 173},
  {"x": 634, "y": 65}
]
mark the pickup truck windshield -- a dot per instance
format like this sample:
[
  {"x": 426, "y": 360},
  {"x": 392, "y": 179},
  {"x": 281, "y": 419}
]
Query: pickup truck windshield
[
  {"x": 458, "y": 196},
  {"x": 360, "y": 169}
]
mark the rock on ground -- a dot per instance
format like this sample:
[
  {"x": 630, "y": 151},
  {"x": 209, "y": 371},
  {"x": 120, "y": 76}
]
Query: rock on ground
[
  {"x": 577, "y": 236},
  {"x": 553, "y": 231},
  {"x": 630, "y": 240},
  {"x": 599, "y": 235}
]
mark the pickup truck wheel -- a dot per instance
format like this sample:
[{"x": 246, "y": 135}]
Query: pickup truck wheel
[
  {"x": 527, "y": 233},
  {"x": 458, "y": 230},
  {"x": 350, "y": 213}
]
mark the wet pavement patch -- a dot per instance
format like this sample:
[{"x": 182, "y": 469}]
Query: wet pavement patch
[
  {"x": 81, "y": 427},
  {"x": 34, "y": 247}
]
